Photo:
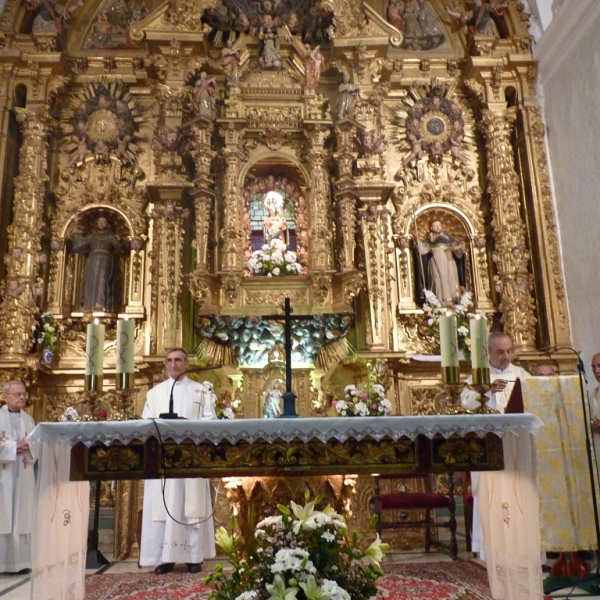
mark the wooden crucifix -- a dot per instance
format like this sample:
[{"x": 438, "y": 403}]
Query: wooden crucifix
[{"x": 289, "y": 398}]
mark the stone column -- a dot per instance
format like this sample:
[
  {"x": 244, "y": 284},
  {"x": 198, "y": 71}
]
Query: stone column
[
  {"x": 511, "y": 254},
  {"x": 18, "y": 308}
]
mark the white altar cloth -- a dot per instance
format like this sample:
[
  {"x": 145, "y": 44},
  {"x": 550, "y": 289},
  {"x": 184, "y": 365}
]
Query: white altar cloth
[
  {"x": 59, "y": 540},
  {"x": 250, "y": 430}
]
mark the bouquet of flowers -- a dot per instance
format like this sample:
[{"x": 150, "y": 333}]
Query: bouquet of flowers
[
  {"x": 274, "y": 260},
  {"x": 302, "y": 554},
  {"x": 224, "y": 410},
  {"x": 434, "y": 309},
  {"x": 48, "y": 331},
  {"x": 367, "y": 401}
]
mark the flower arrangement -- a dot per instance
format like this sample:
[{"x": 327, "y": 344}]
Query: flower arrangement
[
  {"x": 48, "y": 331},
  {"x": 225, "y": 411},
  {"x": 302, "y": 554},
  {"x": 364, "y": 401},
  {"x": 274, "y": 260},
  {"x": 434, "y": 309}
]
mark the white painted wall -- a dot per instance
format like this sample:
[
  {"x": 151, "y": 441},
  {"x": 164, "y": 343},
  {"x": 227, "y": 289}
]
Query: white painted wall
[{"x": 569, "y": 61}]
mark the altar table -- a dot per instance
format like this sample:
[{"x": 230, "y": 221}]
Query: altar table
[{"x": 70, "y": 453}]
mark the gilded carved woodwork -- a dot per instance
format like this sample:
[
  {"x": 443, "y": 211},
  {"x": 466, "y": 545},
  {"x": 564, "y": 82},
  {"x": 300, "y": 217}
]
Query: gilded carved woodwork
[
  {"x": 511, "y": 253},
  {"x": 376, "y": 231},
  {"x": 132, "y": 146},
  {"x": 546, "y": 227},
  {"x": 166, "y": 271},
  {"x": 18, "y": 305}
]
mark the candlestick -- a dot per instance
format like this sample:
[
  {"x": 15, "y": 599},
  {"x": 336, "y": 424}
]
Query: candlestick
[
  {"x": 94, "y": 356},
  {"x": 479, "y": 354},
  {"x": 125, "y": 353},
  {"x": 449, "y": 348}
]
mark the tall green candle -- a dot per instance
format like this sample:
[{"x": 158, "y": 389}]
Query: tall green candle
[
  {"x": 479, "y": 335},
  {"x": 94, "y": 349},
  {"x": 125, "y": 346},
  {"x": 448, "y": 340}
]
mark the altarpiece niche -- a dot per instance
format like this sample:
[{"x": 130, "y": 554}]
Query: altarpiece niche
[{"x": 275, "y": 208}]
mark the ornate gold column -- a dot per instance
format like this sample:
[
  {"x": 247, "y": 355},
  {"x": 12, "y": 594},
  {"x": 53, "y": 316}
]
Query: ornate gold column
[
  {"x": 166, "y": 275},
  {"x": 232, "y": 232},
  {"x": 202, "y": 279},
  {"x": 554, "y": 330},
  {"x": 348, "y": 281},
  {"x": 377, "y": 233},
  {"x": 18, "y": 309},
  {"x": 511, "y": 254},
  {"x": 319, "y": 233},
  {"x": 345, "y": 194}
]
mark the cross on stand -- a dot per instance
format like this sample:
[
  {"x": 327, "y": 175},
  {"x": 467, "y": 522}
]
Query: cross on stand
[{"x": 289, "y": 398}]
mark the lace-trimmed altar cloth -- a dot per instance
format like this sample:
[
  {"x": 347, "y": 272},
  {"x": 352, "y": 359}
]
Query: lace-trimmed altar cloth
[
  {"x": 250, "y": 430},
  {"x": 59, "y": 567}
]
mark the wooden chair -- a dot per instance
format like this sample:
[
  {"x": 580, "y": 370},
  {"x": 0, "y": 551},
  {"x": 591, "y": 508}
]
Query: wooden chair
[{"x": 426, "y": 501}]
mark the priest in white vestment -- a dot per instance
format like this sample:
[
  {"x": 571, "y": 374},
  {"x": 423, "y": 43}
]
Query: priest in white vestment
[
  {"x": 595, "y": 408},
  {"x": 177, "y": 524},
  {"x": 503, "y": 375},
  {"x": 17, "y": 482}
]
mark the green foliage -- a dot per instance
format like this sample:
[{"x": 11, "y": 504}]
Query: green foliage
[{"x": 303, "y": 554}]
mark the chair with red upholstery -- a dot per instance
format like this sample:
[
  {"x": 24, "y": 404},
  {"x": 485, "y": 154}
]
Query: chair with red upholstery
[{"x": 409, "y": 502}]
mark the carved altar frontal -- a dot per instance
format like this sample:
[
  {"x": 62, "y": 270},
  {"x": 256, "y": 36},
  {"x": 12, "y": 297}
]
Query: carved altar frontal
[
  {"x": 154, "y": 460},
  {"x": 286, "y": 447}
]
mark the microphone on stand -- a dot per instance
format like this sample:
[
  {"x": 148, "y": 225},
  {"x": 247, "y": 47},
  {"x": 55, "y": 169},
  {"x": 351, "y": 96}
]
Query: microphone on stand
[
  {"x": 171, "y": 414},
  {"x": 580, "y": 365}
]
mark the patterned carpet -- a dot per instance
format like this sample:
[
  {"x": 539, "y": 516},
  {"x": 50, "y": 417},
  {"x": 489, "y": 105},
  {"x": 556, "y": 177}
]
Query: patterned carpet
[{"x": 418, "y": 581}]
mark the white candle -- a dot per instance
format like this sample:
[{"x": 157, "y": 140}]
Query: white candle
[
  {"x": 448, "y": 340},
  {"x": 94, "y": 349},
  {"x": 125, "y": 346},
  {"x": 479, "y": 335}
]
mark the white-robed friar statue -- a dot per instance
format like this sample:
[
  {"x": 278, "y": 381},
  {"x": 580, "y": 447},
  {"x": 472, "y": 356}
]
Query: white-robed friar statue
[
  {"x": 503, "y": 375},
  {"x": 177, "y": 525},
  {"x": 17, "y": 481}
]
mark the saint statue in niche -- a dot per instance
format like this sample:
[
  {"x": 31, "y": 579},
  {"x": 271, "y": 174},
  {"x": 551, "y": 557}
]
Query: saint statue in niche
[
  {"x": 275, "y": 225},
  {"x": 101, "y": 275},
  {"x": 275, "y": 215},
  {"x": 441, "y": 264},
  {"x": 272, "y": 403}
]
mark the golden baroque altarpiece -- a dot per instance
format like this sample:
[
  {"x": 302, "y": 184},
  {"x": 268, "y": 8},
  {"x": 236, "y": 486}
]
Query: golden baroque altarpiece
[{"x": 152, "y": 150}]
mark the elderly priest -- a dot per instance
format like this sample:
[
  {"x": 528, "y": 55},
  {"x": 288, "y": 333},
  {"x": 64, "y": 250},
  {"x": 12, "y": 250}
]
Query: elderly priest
[
  {"x": 503, "y": 374},
  {"x": 17, "y": 481},
  {"x": 177, "y": 523}
]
